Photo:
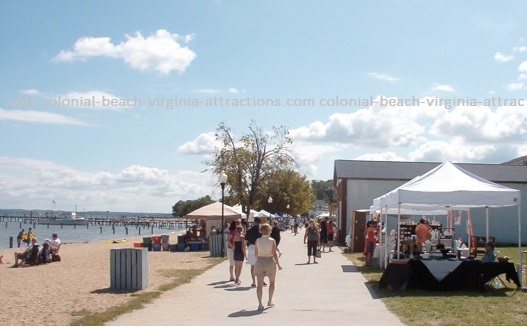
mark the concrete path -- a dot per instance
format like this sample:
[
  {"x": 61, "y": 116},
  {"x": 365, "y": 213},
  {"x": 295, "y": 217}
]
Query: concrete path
[{"x": 332, "y": 292}]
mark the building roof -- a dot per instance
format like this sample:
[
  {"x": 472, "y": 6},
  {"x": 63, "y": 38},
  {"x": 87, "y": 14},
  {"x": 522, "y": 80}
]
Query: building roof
[{"x": 509, "y": 172}]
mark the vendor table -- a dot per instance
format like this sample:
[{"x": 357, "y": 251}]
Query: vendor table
[{"x": 455, "y": 274}]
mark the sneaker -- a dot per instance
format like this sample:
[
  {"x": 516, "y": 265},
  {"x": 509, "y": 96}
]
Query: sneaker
[
  {"x": 238, "y": 282},
  {"x": 264, "y": 284},
  {"x": 279, "y": 254}
]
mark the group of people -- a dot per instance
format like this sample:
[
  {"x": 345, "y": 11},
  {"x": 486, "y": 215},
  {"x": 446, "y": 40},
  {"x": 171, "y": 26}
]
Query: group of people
[
  {"x": 36, "y": 254},
  {"x": 260, "y": 249}
]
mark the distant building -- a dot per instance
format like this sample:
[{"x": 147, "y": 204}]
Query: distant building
[{"x": 358, "y": 182}]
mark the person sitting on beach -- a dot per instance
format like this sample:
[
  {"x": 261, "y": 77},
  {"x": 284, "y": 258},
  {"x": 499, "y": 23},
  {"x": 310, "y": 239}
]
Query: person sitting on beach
[
  {"x": 489, "y": 255},
  {"x": 55, "y": 247},
  {"x": 26, "y": 255},
  {"x": 44, "y": 255}
]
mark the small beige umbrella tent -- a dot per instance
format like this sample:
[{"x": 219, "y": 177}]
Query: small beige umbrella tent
[{"x": 212, "y": 215}]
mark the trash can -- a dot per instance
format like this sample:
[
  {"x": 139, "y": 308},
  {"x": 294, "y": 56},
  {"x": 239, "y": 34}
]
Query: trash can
[
  {"x": 156, "y": 239},
  {"x": 129, "y": 269},
  {"x": 147, "y": 243},
  {"x": 173, "y": 247},
  {"x": 156, "y": 247},
  {"x": 181, "y": 238},
  {"x": 165, "y": 238},
  {"x": 165, "y": 246}
]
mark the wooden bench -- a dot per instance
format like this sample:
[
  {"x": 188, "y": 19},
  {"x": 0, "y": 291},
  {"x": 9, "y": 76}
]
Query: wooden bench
[{"x": 479, "y": 241}]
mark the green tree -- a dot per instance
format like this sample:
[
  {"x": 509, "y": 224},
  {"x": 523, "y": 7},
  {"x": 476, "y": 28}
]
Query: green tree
[
  {"x": 287, "y": 187},
  {"x": 324, "y": 190},
  {"x": 182, "y": 208},
  {"x": 250, "y": 160}
]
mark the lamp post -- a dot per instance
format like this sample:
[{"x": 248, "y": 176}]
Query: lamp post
[{"x": 222, "y": 179}]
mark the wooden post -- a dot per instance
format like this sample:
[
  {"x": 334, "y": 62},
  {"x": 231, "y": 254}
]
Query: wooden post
[
  {"x": 126, "y": 228},
  {"x": 113, "y": 229},
  {"x": 10, "y": 242},
  {"x": 101, "y": 229},
  {"x": 139, "y": 230}
]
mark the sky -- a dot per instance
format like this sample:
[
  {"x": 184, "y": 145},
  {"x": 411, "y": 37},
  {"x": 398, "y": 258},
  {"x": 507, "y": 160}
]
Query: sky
[{"x": 113, "y": 105}]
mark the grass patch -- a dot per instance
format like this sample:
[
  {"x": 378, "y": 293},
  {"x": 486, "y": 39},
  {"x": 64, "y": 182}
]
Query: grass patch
[
  {"x": 138, "y": 300},
  {"x": 494, "y": 307}
]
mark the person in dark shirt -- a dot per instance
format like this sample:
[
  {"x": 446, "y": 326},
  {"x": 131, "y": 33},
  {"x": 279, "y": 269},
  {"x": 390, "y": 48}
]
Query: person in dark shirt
[
  {"x": 275, "y": 234},
  {"x": 251, "y": 236}
]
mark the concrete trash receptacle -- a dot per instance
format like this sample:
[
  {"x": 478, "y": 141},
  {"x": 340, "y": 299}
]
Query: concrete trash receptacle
[{"x": 129, "y": 269}]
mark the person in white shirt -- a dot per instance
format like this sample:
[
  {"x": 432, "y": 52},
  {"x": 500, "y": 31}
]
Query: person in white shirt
[
  {"x": 266, "y": 263},
  {"x": 55, "y": 247}
]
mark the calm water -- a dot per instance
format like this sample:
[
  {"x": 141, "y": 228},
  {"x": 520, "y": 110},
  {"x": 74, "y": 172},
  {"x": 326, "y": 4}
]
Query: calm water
[{"x": 68, "y": 234}]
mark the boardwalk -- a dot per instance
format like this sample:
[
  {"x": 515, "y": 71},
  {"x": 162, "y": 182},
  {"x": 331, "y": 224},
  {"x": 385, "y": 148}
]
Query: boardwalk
[{"x": 330, "y": 293}]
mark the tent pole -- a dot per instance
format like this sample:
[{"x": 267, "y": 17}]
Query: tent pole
[
  {"x": 487, "y": 213},
  {"x": 519, "y": 269},
  {"x": 386, "y": 238},
  {"x": 380, "y": 240},
  {"x": 398, "y": 229}
]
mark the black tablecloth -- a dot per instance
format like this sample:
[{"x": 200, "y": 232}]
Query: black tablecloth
[{"x": 469, "y": 275}]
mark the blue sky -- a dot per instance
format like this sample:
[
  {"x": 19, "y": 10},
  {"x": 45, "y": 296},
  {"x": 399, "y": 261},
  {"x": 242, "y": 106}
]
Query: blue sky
[{"x": 146, "y": 157}]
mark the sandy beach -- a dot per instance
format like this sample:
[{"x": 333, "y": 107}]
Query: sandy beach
[{"x": 51, "y": 294}]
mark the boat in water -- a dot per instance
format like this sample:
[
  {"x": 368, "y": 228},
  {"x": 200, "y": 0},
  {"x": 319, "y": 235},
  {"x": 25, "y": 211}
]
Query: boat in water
[{"x": 65, "y": 219}]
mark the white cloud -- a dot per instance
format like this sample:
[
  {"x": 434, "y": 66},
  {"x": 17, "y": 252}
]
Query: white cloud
[
  {"x": 31, "y": 92},
  {"x": 382, "y": 77},
  {"x": 483, "y": 125},
  {"x": 520, "y": 49},
  {"x": 135, "y": 188},
  {"x": 514, "y": 86},
  {"x": 444, "y": 87},
  {"x": 203, "y": 144},
  {"x": 375, "y": 126},
  {"x": 523, "y": 66},
  {"x": 384, "y": 156},
  {"x": 439, "y": 151},
  {"x": 32, "y": 116},
  {"x": 160, "y": 52},
  {"x": 233, "y": 90},
  {"x": 207, "y": 91},
  {"x": 88, "y": 100},
  {"x": 522, "y": 77},
  {"x": 502, "y": 57}
]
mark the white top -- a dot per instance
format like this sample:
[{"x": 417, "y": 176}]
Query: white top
[
  {"x": 55, "y": 245},
  {"x": 265, "y": 246}
]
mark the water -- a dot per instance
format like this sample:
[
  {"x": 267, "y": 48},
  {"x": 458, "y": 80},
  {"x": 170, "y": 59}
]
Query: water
[{"x": 69, "y": 234}]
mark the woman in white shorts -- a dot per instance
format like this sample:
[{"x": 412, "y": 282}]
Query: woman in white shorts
[{"x": 266, "y": 263}]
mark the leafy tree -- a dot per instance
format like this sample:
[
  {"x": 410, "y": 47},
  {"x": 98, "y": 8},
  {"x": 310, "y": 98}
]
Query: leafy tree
[
  {"x": 324, "y": 190},
  {"x": 182, "y": 208},
  {"x": 287, "y": 187},
  {"x": 250, "y": 160}
]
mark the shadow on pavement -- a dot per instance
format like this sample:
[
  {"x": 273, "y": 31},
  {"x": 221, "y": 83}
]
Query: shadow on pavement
[
  {"x": 246, "y": 313},
  {"x": 246, "y": 288},
  {"x": 219, "y": 283}
]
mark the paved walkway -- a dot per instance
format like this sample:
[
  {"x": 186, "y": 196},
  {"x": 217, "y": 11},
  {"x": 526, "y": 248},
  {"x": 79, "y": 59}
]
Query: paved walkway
[{"x": 332, "y": 292}]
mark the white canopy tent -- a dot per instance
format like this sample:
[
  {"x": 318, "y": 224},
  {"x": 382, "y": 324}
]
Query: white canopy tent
[
  {"x": 450, "y": 187},
  {"x": 212, "y": 214}
]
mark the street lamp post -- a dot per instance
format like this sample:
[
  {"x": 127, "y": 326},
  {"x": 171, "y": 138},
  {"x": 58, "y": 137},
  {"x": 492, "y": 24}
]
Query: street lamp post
[{"x": 222, "y": 179}]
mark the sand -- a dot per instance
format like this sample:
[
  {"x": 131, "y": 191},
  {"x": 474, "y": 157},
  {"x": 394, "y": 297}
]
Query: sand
[{"x": 51, "y": 294}]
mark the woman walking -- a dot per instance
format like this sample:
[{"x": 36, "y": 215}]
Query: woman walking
[
  {"x": 266, "y": 263},
  {"x": 230, "y": 248},
  {"x": 240, "y": 253},
  {"x": 311, "y": 235}
]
